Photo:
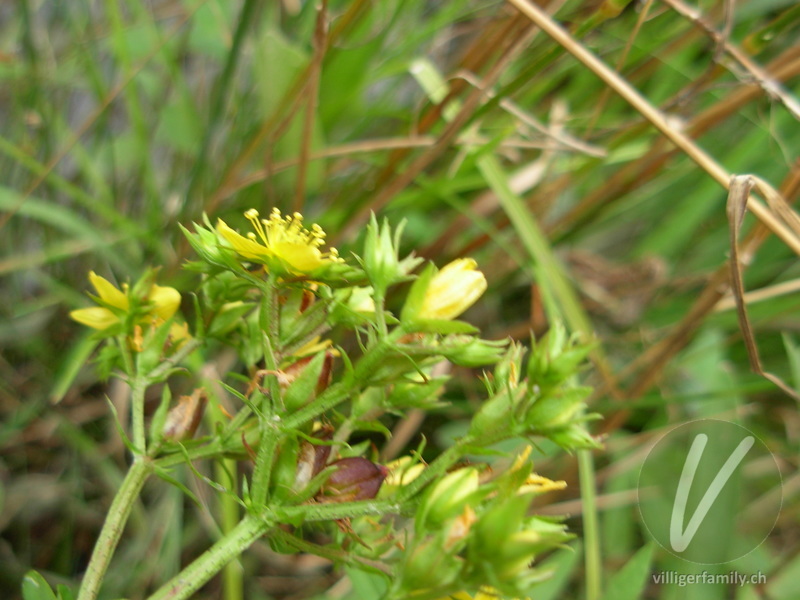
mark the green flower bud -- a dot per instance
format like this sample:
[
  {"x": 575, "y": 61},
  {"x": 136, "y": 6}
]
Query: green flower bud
[
  {"x": 556, "y": 409},
  {"x": 468, "y": 351},
  {"x": 206, "y": 242},
  {"x": 573, "y": 437},
  {"x": 430, "y": 566},
  {"x": 505, "y": 541},
  {"x": 555, "y": 357},
  {"x": 508, "y": 370},
  {"x": 447, "y": 498},
  {"x": 495, "y": 415},
  {"x": 423, "y": 394},
  {"x": 381, "y": 262}
]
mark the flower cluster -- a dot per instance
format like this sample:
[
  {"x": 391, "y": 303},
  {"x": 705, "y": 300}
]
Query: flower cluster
[
  {"x": 324, "y": 366},
  {"x": 470, "y": 532}
]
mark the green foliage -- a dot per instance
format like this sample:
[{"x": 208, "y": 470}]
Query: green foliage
[{"x": 126, "y": 122}]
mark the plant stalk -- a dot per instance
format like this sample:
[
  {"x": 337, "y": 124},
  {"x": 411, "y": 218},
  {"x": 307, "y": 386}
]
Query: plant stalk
[
  {"x": 208, "y": 564},
  {"x": 591, "y": 528},
  {"x": 112, "y": 528}
]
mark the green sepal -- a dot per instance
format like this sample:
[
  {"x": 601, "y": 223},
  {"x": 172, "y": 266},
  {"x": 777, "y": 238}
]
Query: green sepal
[
  {"x": 228, "y": 317},
  {"x": 301, "y": 389},
  {"x": 160, "y": 417},
  {"x": 416, "y": 295},
  {"x": 440, "y": 326},
  {"x": 153, "y": 348},
  {"x": 556, "y": 409},
  {"x": 284, "y": 471}
]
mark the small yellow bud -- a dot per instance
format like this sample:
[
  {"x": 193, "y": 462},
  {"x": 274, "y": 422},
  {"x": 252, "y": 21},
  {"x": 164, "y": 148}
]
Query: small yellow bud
[
  {"x": 453, "y": 290},
  {"x": 166, "y": 301}
]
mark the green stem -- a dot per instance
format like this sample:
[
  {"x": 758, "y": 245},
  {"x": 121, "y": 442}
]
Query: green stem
[
  {"x": 262, "y": 471},
  {"x": 184, "y": 351},
  {"x": 232, "y": 573},
  {"x": 380, "y": 314},
  {"x": 352, "y": 381},
  {"x": 591, "y": 529},
  {"x": 112, "y": 528},
  {"x": 208, "y": 564},
  {"x": 125, "y": 352},
  {"x": 138, "y": 387}
]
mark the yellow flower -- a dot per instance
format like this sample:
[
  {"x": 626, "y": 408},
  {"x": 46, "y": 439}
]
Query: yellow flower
[
  {"x": 453, "y": 290},
  {"x": 164, "y": 302},
  {"x": 534, "y": 483},
  {"x": 281, "y": 242}
]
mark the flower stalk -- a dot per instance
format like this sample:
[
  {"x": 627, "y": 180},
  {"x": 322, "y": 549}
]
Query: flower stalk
[
  {"x": 208, "y": 564},
  {"x": 113, "y": 527}
]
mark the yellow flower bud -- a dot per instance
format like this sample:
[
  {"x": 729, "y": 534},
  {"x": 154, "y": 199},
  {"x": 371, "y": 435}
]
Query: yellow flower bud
[
  {"x": 453, "y": 290},
  {"x": 166, "y": 301}
]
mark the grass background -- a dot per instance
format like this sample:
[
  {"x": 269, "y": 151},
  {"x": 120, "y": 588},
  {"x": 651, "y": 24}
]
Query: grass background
[{"x": 122, "y": 119}]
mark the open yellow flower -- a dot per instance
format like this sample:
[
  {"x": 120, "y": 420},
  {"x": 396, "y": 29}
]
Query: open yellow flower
[
  {"x": 282, "y": 243},
  {"x": 453, "y": 290},
  {"x": 164, "y": 302}
]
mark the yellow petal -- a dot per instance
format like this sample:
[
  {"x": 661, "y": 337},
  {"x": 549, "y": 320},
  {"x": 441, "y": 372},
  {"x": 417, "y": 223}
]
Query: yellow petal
[
  {"x": 538, "y": 484},
  {"x": 301, "y": 258},
  {"x": 166, "y": 301},
  {"x": 313, "y": 346},
  {"x": 453, "y": 290},
  {"x": 243, "y": 246},
  {"x": 179, "y": 334},
  {"x": 95, "y": 317},
  {"x": 108, "y": 292}
]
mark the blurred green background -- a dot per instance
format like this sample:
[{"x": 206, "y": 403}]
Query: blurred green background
[{"x": 122, "y": 119}]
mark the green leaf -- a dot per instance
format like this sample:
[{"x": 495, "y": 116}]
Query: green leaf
[
  {"x": 366, "y": 586},
  {"x": 163, "y": 474},
  {"x": 630, "y": 581},
  {"x": 76, "y": 358},
  {"x": 34, "y": 587},
  {"x": 64, "y": 593}
]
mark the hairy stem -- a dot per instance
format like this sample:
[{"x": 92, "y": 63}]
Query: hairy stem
[
  {"x": 208, "y": 564},
  {"x": 112, "y": 528}
]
